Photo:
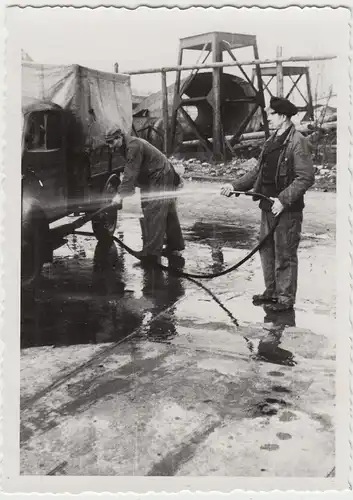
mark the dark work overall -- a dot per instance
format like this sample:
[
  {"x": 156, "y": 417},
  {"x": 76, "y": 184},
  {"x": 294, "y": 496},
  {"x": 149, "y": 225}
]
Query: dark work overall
[
  {"x": 161, "y": 222},
  {"x": 279, "y": 257},
  {"x": 150, "y": 170}
]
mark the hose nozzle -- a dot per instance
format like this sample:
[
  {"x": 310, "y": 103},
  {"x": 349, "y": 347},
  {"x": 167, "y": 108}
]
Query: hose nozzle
[
  {"x": 256, "y": 196},
  {"x": 117, "y": 202}
]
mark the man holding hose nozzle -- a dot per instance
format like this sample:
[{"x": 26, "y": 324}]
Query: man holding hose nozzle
[
  {"x": 150, "y": 170},
  {"x": 284, "y": 173}
]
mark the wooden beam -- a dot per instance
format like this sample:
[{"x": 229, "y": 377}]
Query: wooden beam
[
  {"x": 224, "y": 64},
  {"x": 176, "y": 100},
  {"x": 310, "y": 97},
  {"x": 243, "y": 126},
  {"x": 239, "y": 66},
  {"x": 279, "y": 73},
  {"x": 261, "y": 90},
  {"x": 253, "y": 99},
  {"x": 195, "y": 42},
  {"x": 193, "y": 100},
  {"x": 194, "y": 72},
  {"x": 294, "y": 86},
  {"x": 165, "y": 111},
  {"x": 267, "y": 85},
  {"x": 216, "y": 101},
  {"x": 300, "y": 92},
  {"x": 217, "y": 141},
  {"x": 287, "y": 70},
  {"x": 254, "y": 136},
  {"x": 192, "y": 124}
]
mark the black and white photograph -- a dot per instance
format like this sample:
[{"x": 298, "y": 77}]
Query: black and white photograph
[{"x": 177, "y": 232}]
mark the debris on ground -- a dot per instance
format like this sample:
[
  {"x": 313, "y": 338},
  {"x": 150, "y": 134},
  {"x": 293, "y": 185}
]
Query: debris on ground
[
  {"x": 323, "y": 144},
  {"x": 325, "y": 175},
  {"x": 194, "y": 167},
  {"x": 325, "y": 178}
]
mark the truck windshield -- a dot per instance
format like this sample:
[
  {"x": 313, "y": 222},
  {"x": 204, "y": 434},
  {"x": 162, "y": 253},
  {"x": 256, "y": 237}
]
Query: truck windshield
[{"x": 43, "y": 131}]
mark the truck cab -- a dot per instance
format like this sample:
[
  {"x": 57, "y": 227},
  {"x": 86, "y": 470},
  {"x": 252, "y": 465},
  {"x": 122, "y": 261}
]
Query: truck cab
[
  {"x": 59, "y": 180},
  {"x": 44, "y": 158}
]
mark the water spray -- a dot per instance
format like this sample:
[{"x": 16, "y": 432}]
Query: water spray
[
  {"x": 182, "y": 193},
  {"x": 193, "y": 277}
]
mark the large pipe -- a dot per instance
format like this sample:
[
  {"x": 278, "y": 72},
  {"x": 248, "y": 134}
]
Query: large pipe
[
  {"x": 235, "y": 104},
  {"x": 236, "y": 101}
]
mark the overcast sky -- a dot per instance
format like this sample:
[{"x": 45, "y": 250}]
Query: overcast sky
[{"x": 146, "y": 38}]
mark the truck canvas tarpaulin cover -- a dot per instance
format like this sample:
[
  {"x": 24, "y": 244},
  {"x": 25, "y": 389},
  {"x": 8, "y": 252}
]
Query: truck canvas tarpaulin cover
[{"x": 98, "y": 100}]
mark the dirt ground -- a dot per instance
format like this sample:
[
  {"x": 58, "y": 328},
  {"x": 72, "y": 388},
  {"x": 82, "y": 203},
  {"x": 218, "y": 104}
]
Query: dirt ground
[{"x": 127, "y": 373}]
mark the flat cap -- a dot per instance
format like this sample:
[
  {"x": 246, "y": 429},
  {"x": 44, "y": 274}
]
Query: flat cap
[
  {"x": 283, "y": 106},
  {"x": 114, "y": 133}
]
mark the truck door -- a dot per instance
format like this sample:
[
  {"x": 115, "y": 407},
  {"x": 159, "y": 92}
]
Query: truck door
[{"x": 45, "y": 155}]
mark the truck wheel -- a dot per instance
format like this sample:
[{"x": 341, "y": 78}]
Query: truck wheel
[
  {"x": 34, "y": 241},
  {"x": 104, "y": 226}
]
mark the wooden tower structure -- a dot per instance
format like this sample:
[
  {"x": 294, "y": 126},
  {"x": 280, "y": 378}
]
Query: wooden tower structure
[
  {"x": 216, "y": 44},
  {"x": 294, "y": 74}
]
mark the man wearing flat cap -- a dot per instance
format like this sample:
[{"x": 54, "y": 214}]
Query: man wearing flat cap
[
  {"x": 284, "y": 173},
  {"x": 150, "y": 170}
]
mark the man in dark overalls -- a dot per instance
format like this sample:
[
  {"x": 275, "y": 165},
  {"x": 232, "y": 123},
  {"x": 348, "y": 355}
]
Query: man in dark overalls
[
  {"x": 150, "y": 170},
  {"x": 284, "y": 173}
]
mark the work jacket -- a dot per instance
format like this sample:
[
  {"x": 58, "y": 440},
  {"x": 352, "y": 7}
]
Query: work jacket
[
  {"x": 294, "y": 174},
  {"x": 146, "y": 167}
]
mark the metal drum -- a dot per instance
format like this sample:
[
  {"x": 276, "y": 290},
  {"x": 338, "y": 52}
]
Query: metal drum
[{"x": 232, "y": 113}]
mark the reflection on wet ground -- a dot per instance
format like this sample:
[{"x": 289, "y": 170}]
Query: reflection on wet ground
[
  {"x": 92, "y": 293},
  {"x": 186, "y": 384},
  {"x": 222, "y": 235},
  {"x": 269, "y": 348}
]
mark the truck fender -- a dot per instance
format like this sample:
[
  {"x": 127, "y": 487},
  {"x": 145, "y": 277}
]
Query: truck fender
[
  {"x": 31, "y": 177},
  {"x": 31, "y": 184},
  {"x": 34, "y": 221}
]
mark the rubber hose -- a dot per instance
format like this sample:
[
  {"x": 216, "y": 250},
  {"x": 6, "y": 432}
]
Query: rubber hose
[
  {"x": 183, "y": 274},
  {"x": 193, "y": 277}
]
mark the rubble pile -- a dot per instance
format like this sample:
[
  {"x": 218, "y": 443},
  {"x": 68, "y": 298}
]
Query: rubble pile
[
  {"x": 323, "y": 144},
  {"x": 195, "y": 168},
  {"x": 325, "y": 178},
  {"x": 325, "y": 175}
]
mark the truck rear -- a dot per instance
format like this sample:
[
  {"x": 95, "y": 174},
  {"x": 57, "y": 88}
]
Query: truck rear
[{"x": 66, "y": 166}]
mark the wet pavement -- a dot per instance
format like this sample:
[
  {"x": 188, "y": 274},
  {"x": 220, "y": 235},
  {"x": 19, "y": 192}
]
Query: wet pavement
[{"x": 126, "y": 371}]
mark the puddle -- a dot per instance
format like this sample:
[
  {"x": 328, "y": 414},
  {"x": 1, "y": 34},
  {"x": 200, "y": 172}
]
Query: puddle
[
  {"x": 93, "y": 294},
  {"x": 269, "y": 447},
  {"x": 276, "y": 374},
  {"x": 283, "y": 436},
  {"x": 220, "y": 235},
  {"x": 268, "y": 407},
  {"x": 280, "y": 388}
]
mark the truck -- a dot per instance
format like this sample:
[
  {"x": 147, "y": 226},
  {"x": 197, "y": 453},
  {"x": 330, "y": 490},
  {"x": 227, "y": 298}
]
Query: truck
[{"x": 67, "y": 168}]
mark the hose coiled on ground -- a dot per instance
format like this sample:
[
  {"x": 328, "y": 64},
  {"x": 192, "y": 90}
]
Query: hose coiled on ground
[
  {"x": 178, "y": 272},
  {"x": 193, "y": 277}
]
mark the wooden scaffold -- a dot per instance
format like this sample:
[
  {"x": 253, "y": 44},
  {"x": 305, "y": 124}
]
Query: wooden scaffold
[{"x": 218, "y": 139}]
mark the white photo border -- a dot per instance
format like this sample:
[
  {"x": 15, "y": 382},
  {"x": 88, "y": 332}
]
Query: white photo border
[{"x": 12, "y": 481}]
